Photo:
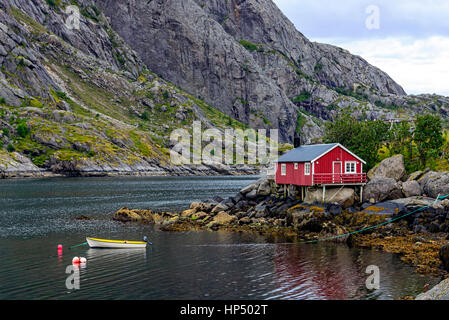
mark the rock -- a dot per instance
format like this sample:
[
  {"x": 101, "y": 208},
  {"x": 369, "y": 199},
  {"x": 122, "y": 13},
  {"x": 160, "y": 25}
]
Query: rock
[
  {"x": 219, "y": 207},
  {"x": 244, "y": 220},
  {"x": 252, "y": 194},
  {"x": 261, "y": 210},
  {"x": 392, "y": 167},
  {"x": 411, "y": 188},
  {"x": 444, "y": 256},
  {"x": 248, "y": 188},
  {"x": 199, "y": 215},
  {"x": 188, "y": 213},
  {"x": 17, "y": 165},
  {"x": 383, "y": 208},
  {"x": 214, "y": 225},
  {"x": 439, "y": 292},
  {"x": 83, "y": 218},
  {"x": 433, "y": 227},
  {"x": 434, "y": 183},
  {"x": 208, "y": 206},
  {"x": 224, "y": 218},
  {"x": 334, "y": 209},
  {"x": 379, "y": 189},
  {"x": 196, "y": 206},
  {"x": 343, "y": 197},
  {"x": 264, "y": 188},
  {"x": 127, "y": 215}
]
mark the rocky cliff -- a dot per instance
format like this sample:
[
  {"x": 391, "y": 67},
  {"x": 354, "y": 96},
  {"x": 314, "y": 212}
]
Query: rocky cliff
[
  {"x": 81, "y": 102},
  {"x": 247, "y": 59}
]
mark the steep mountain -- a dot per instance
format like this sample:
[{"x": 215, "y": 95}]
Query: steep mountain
[
  {"x": 81, "y": 102},
  {"x": 247, "y": 59},
  {"x": 105, "y": 98}
]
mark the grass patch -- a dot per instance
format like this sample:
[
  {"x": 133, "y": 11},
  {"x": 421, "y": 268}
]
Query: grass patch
[{"x": 251, "y": 46}]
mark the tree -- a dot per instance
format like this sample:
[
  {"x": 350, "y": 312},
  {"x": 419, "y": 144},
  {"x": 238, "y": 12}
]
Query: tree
[
  {"x": 364, "y": 138},
  {"x": 428, "y": 137}
]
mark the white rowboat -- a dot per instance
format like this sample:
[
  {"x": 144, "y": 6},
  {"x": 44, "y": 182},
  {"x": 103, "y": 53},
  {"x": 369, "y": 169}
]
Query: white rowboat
[{"x": 119, "y": 244}]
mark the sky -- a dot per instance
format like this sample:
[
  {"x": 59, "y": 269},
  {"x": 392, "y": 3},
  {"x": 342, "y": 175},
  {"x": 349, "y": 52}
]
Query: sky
[{"x": 408, "y": 39}]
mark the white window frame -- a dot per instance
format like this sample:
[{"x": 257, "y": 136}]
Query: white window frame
[
  {"x": 350, "y": 167},
  {"x": 307, "y": 168},
  {"x": 283, "y": 169},
  {"x": 296, "y": 165}
]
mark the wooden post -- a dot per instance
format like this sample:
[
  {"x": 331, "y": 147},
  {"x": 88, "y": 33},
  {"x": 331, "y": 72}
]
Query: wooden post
[
  {"x": 285, "y": 190},
  {"x": 361, "y": 194},
  {"x": 324, "y": 192}
]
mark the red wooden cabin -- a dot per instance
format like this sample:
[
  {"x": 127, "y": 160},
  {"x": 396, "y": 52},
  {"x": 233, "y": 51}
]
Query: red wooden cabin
[{"x": 320, "y": 165}]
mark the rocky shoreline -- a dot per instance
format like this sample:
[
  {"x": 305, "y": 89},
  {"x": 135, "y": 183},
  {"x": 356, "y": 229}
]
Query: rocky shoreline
[
  {"x": 415, "y": 227},
  {"x": 15, "y": 165}
]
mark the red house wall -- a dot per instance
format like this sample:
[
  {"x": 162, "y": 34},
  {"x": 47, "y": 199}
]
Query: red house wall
[
  {"x": 295, "y": 177},
  {"x": 324, "y": 164}
]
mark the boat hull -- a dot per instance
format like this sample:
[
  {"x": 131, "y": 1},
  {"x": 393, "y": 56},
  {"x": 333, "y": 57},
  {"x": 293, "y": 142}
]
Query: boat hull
[{"x": 118, "y": 244}]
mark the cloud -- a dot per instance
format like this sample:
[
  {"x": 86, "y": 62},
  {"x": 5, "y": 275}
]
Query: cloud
[
  {"x": 411, "y": 45},
  {"x": 419, "y": 65},
  {"x": 347, "y": 18}
]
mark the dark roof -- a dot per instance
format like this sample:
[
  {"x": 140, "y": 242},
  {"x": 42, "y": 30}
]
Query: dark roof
[{"x": 306, "y": 153}]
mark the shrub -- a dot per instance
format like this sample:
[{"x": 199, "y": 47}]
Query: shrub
[
  {"x": 144, "y": 116},
  {"x": 304, "y": 96},
  {"x": 22, "y": 129},
  {"x": 91, "y": 153},
  {"x": 62, "y": 95},
  {"x": 54, "y": 3},
  {"x": 2, "y": 100},
  {"x": 10, "y": 148}
]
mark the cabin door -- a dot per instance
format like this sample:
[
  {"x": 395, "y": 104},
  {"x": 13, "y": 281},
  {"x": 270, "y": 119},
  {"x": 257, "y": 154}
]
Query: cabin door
[{"x": 337, "y": 171}]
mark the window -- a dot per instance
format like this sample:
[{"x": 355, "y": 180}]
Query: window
[
  {"x": 296, "y": 166},
  {"x": 351, "y": 167},
  {"x": 307, "y": 169},
  {"x": 283, "y": 169}
]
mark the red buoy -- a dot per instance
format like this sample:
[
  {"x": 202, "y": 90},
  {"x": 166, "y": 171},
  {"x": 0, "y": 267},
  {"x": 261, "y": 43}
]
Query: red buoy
[{"x": 75, "y": 260}]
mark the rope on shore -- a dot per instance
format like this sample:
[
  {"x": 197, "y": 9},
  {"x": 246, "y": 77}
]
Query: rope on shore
[{"x": 378, "y": 225}]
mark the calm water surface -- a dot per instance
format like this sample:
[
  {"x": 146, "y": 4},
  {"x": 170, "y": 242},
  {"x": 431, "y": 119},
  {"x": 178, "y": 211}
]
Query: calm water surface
[{"x": 37, "y": 215}]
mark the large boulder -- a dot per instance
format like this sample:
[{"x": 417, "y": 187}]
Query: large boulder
[
  {"x": 344, "y": 197},
  {"x": 411, "y": 188},
  {"x": 380, "y": 189},
  {"x": 392, "y": 167},
  {"x": 434, "y": 183}
]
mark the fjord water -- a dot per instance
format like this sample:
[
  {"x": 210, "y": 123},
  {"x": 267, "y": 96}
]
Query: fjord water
[{"x": 38, "y": 214}]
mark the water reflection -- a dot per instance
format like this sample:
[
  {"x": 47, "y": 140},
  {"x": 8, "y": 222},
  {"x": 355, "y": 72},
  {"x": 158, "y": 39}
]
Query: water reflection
[{"x": 335, "y": 272}]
